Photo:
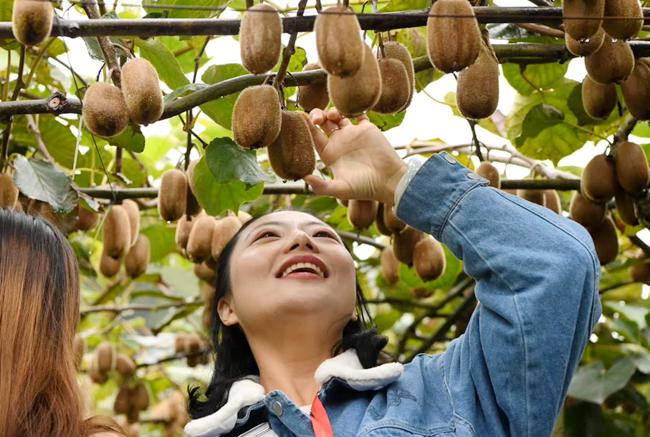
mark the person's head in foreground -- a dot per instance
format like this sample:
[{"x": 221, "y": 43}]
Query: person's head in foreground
[{"x": 39, "y": 311}]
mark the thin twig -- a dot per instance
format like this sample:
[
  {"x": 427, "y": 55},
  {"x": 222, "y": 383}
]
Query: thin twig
[
  {"x": 108, "y": 50},
  {"x": 288, "y": 51},
  {"x": 33, "y": 126},
  {"x": 116, "y": 309}
]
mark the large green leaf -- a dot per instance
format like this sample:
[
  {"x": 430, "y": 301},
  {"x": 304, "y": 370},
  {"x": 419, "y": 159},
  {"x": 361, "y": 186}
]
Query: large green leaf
[
  {"x": 131, "y": 139},
  {"x": 220, "y": 110},
  {"x": 161, "y": 240},
  {"x": 59, "y": 140},
  {"x": 186, "y": 8},
  {"x": 227, "y": 162},
  {"x": 386, "y": 121},
  {"x": 163, "y": 61},
  {"x": 594, "y": 383},
  {"x": 527, "y": 79},
  {"x": 41, "y": 180}
]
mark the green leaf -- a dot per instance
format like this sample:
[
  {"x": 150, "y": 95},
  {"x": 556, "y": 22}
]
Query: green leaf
[
  {"x": 131, "y": 139},
  {"x": 216, "y": 197},
  {"x": 220, "y": 110},
  {"x": 405, "y": 5},
  {"x": 386, "y": 121},
  {"x": 92, "y": 45},
  {"x": 534, "y": 77},
  {"x": 162, "y": 240},
  {"x": 163, "y": 61},
  {"x": 227, "y": 162},
  {"x": 633, "y": 313},
  {"x": 414, "y": 39},
  {"x": 59, "y": 140},
  {"x": 539, "y": 118},
  {"x": 41, "y": 180},
  {"x": 594, "y": 383},
  {"x": 186, "y": 8},
  {"x": 642, "y": 129},
  {"x": 486, "y": 123}
]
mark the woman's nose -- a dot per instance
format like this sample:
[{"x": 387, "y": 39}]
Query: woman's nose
[{"x": 300, "y": 240}]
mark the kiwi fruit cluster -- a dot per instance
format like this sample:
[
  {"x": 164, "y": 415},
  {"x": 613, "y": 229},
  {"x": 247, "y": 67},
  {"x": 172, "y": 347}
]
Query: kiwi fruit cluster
[
  {"x": 259, "y": 38},
  {"x": 107, "y": 109},
  {"x": 256, "y": 117},
  {"x": 8, "y": 192},
  {"x": 191, "y": 345},
  {"x": 397, "y": 78},
  {"x": 477, "y": 89},
  {"x": 338, "y": 41},
  {"x": 31, "y": 21},
  {"x": 106, "y": 359},
  {"x": 292, "y": 155},
  {"x": 313, "y": 95},
  {"x": 452, "y": 43},
  {"x": 131, "y": 400},
  {"x": 123, "y": 241}
]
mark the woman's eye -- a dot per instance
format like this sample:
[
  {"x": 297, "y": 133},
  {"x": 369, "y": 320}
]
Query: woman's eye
[
  {"x": 266, "y": 234},
  {"x": 324, "y": 234}
]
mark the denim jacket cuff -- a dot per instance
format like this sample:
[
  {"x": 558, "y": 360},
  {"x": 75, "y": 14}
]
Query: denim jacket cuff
[{"x": 433, "y": 192}]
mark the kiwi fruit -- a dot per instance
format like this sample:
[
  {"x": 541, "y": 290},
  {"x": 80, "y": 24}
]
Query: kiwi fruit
[
  {"x": 104, "y": 110},
  {"x": 636, "y": 90},
  {"x": 631, "y": 167},
  {"x": 8, "y": 191},
  {"x": 292, "y": 153},
  {"x": 125, "y": 366},
  {"x": 404, "y": 244},
  {"x": 108, "y": 265},
  {"x": 256, "y": 117},
  {"x": 599, "y": 182},
  {"x": 137, "y": 260},
  {"x": 193, "y": 347},
  {"x": 172, "y": 195},
  {"x": 141, "y": 90},
  {"x": 429, "y": 258},
  {"x": 587, "y": 46},
  {"x": 605, "y": 240},
  {"x": 630, "y": 22},
  {"x": 389, "y": 265},
  {"x": 105, "y": 355},
  {"x": 356, "y": 94},
  {"x": 488, "y": 171},
  {"x": 117, "y": 232},
  {"x": 86, "y": 219},
  {"x": 640, "y": 273},
  {"x": 625, "y": 207},
  {"x": 204, "y": 272},
  {"x": 599, "y": 100},
  {"x": 122, "y": 402},
  {"x": 393, "y": 223},
  {"x": 613, "y": 62},
  {"x": 395, "y": 89},
  {"x": 582, "y": 17},
  {"x": 31, "y": 21},
  {"x": 477, "y": 89},
  {"x": 259, "y": 38},
  {"x": 133, "y": 211},
  {"x": 361, "y": 213},
  {"x": 534, "y": 196},
  {"x": 552, "y": 201},
  {"x": 199, "y": 242},
  {"x": 79, "y": 348},
  {"x": 379, "y": 221},
  {"x": 313, "y": 95},
  {"x": 180, "y": 343},
  {"x": 192, "y": 205},
  {"x": 224, "y": 230},
  {"x": 395, "y": 50},
  {"x": 338, "y": 41},
  {"x": 95, "y": 375},
  {"x": 183, "y": 229},
  {"x": 585, "y": 212},
  {"x": 140, "y": 397},
  {"x": 452, "y": 43}
]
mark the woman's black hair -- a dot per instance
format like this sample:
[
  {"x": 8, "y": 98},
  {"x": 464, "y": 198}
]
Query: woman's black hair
[{"x": 234, "y": 358}]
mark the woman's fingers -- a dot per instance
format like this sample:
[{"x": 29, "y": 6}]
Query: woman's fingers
[
  {"x": 332, "y": 187},
  {"x": 320, "y": 139}
]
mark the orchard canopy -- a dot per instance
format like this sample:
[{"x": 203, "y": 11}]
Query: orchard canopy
[{"x": 150, "y": 130}]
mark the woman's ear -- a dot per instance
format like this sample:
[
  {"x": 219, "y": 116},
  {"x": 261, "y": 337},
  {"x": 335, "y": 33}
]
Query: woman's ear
[{"x": 226, "y": 312}]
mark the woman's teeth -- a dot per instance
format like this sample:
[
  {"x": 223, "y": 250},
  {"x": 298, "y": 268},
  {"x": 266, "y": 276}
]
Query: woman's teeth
[{"x": 314, "y": 269}]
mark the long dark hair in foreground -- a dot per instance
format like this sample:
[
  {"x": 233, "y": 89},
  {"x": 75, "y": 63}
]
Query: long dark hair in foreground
[{"x": 234, "y": 358}]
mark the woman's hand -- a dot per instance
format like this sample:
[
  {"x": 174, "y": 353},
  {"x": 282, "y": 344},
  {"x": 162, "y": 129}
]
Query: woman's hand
[{"x": 364, "y": 164}]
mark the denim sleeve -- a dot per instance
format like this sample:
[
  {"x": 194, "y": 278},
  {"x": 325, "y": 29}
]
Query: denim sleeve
[{"x": 537, "y": 286}]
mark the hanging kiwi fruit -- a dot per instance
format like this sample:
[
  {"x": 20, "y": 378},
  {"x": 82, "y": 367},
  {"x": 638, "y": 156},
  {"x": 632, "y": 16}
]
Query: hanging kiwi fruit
[
  {"x": 605, "y": 240},
  {"x": 260, "y": 42},
  {"x": 586, "y": 46},
  {"x": 404, "y": 244},
  {"x": 625, "y": 208},
  {"x": 199, "y": 242},
  {"x": 172, "y": 195},
  {"x": 183, "y": 229},
  {"x": 429, "y": 258},
  {"x": 104, "y": 110},
  {"x": 453, "y": 43},
  {"x": 108, "y": 265},
  {"x": 599, "y": 182},
  {"x": 582, "y": 18},
  {"x": 133, "y": 212},
  {"x": 379, "y": 221},
  {"x": 141, "y": 90},
  {"x": 585, "y": 212},
  {"x": 631, "y": 167},
  {"x": 389, "y": 265},
  {"x": 477, "y": 89},
  {"x": 31, "y": 21},
  {"x": 628, "y": 21},
  {"x": 117, "y": 232},
  {"x": 599, "y": 100},
  {"x": 395, "y": 50},
  {"x": 313, "y": 95},
  {"x": 392, "y": 222},
  {"x": 613, "y": 62},
  {"x": 256, "y": 117},
  {"x": 362, "y": 213},
  {"x": 225, "y": 229},
  {"x": 137, "y": 260},
  {"x": 552, "y": 201},
  {"x": 489, "y": 171},
  {"x": 636, "y": 90},
  {"x": 292, "y": 153},
  {"x": 338, "y": 41},
  {"x": 395, "y": 90}
]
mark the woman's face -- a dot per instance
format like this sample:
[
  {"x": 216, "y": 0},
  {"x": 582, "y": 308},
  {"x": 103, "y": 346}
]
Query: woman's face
[{"x": 290, "y": 264}]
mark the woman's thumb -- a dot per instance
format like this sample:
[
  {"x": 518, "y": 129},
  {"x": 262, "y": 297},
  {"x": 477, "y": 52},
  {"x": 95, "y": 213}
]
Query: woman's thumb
[{"x": 325, "y": 187}]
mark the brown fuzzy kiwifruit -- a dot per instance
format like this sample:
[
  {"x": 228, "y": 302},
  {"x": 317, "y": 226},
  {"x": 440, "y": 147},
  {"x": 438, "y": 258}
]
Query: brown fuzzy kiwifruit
[
  {"x": 636, "y": 90},
  {"x": 108, "y": 265},
  {"x": 489, "y": 171},
  {"x": 631, "y": 167},
  {"x": 105, "y": 355},
  {"x": 534, "y": 196},
  {"x": 338, "y": 41},
  {"x": 172, "y": 195},
  {"x": 389, "y": 265},
  {"x": 199, "y": 242},
  {"x": 194, "y": 345},
  {"x": 140, "y": 397},
  {"x": 599, "y": 100},
  {"x": 180, "y": 343},
  {"x": 104, "y": 110},
  {"x": 122, "y": 401},
  {"x": 117, "y": 232},
  {"x": 552, "y": 201},
  {"x": 86, "y": 219},
  {"x": 141, "y": 90},
  {"x": 259, "y": 38},
  {"x": 587, "y": 46},
  {"x": 204, "y": 272},
  {"x": 193, "y": 207},
  {"x": 224, "y": 230},
  {"x": 137, "y": 260},
  {"x": 582, "y": 18},
  {"x": 395, "y": 89},
  {"x": 404, "y": 244},
  {"x": 361, "y": 213},
  {"x": 605, "y": 240},
  {"x": 31, "y": 21},
  {"x": 125, "y": 366},
  {"x": 380, "y": 223},
  {"x": 313, "y": 95},
  {"x": 292, "y": 153},
  {"x": 133, "y": 211},
  {"x": 183, "y": 228},
  {"x": 599, "y": 182},
  {"x": 356, "y": 94},
  {"x": 477, "y": 89},
  {"x": 393, "y": 223},
  {"x": 640, "y": 273},
  {"x": 625, "y": 208},
  {"x": 256, "y": 117},
  {"x": 628, "y": 21},
  {"x": 79, "y": 348},
  {"x": 429, "y": 258},
  {"x": 613, "y": 62},
  {"x": 585, "y": 212},
  {"x": 95, "y": 375},
  {"x": 453, "y": 43},
  {"x": 8, "y": 191},
  {"x": 395, "y": 50}
]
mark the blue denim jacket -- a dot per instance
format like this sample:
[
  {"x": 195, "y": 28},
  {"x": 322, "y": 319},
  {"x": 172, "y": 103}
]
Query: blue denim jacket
[{"x": 537, "y": 285}]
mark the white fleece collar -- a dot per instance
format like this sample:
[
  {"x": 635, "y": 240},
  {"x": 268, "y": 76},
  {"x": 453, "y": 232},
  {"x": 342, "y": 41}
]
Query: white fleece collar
[{"x": 248, "y": 391}]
